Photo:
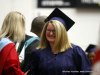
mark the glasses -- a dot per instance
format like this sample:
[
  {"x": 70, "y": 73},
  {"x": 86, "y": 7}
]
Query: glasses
[{"x": 48, "y": 30}]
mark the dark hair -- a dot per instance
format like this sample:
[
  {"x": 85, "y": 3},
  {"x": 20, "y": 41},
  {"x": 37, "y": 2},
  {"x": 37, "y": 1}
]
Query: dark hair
[{"x": 37, "y": 24}]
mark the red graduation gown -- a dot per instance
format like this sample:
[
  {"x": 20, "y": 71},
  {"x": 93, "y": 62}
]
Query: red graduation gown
[{"x": 9, "y": 61}]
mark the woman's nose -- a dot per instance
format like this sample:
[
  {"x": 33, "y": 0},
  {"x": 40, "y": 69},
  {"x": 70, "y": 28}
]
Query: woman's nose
[{"x": 51, "y": 32}]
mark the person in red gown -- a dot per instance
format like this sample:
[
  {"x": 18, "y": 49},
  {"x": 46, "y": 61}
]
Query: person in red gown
[{"x": 13, "y": 30}]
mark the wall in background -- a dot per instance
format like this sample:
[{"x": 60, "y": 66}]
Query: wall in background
[{"x": 84, "y": 31}]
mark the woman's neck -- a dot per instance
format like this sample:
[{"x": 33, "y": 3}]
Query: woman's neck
[{"x": 54, "y": 50}]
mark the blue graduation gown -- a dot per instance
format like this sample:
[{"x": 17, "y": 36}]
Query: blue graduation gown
[{"x": 71, "y": 62}]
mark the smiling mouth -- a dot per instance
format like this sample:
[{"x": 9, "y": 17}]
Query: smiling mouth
[{"x": 52, "y": 36}]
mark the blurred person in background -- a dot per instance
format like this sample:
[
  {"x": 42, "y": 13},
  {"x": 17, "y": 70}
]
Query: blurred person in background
[
  {"x": 13, "y": 30},
  {"x": 91, "y": 52},
  {"x": 33, "y": 38},
  {"x": 55, "y": 55},
  {"x": 96, "y": 62}
]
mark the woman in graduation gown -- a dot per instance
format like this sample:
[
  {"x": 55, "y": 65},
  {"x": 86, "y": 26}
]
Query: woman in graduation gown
[
  {"x": 56, "y": 55},
  {"x": 91, "y": 50},
  {"x": 13, "y": 30}
]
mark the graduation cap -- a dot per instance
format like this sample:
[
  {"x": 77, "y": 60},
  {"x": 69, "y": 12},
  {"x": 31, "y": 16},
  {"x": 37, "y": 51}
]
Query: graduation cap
[
  {"x": 57, "y": 14},
  {"x": 90, "y": 48}
]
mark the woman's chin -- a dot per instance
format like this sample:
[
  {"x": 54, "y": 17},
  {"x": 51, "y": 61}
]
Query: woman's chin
[{"x": 52, "y": 41}]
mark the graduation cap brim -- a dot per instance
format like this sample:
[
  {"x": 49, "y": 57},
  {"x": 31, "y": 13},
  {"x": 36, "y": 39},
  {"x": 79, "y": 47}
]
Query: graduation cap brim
[
  {"x": 90, "y": 47},
  {"x": 58, "y": 13}
]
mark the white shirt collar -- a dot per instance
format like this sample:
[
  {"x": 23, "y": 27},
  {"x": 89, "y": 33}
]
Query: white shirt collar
[{"x": 32, "y": 34}]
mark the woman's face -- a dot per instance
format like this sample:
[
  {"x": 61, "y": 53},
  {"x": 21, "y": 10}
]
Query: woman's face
[
  {"x": 91, "y": 57},
  {"x": 50, "y": 33}
]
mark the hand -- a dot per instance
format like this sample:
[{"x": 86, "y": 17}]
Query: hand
[{"x": 27, "y": 72}]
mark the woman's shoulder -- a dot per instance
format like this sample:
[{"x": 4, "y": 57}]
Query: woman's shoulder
[
  {"x": 77, "y": 49},
  {"x": 3, "y": 42},
  {"x": 75, "y": 46},
  {"x": 41, "y": 51},
  {"x": 37, "y": 51}
]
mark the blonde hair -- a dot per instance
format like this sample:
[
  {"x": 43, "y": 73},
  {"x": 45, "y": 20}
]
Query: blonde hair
[
  {"x": 13, "y": 27},
  {"x": 61, "y": 43}
]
